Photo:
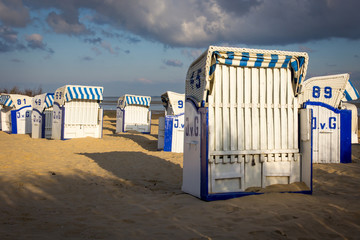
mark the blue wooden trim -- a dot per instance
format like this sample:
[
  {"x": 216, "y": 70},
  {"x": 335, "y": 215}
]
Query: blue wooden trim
[
  {"x": 123, "y": 120},
  {"x": 311, "y": 153},
  {"x": 321, "y": 104},
  {"x": 62, "y": 122},
  {"x": 169, "y": 122},
  {"x": 345, "y": 136},
  {"x": 43, "y": 120},
  {"x": 225, "y": 196},
  {"x": 204, "y": 160},
  {"x": 102, "y": 123},
  {"x": 24, "y": 107},
  {"x": 13, "y": 121}
]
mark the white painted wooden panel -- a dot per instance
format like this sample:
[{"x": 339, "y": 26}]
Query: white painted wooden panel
[
  {"x": 133, "y": 117},
  {"x": 48, "y": 122},
  {"x": 326, "y": 135},
  {"x": 252, "y": 119},
  {"x": 81, "y": 112}
]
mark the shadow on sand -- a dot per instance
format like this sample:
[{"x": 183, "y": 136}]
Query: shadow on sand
[{"x": 142, "y": 170}]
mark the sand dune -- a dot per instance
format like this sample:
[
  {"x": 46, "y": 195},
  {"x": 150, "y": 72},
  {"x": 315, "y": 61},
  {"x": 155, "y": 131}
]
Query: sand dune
[{"x": 121, "y": 187}]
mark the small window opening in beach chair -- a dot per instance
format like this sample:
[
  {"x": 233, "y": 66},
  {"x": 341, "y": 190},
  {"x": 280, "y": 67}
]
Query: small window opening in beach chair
[
  {"x": 42, "y": 114},
  {"x": 16, "y": 113},
  {"x": 77, "y": 112},
  {"x": 171, "y": 127},
  {"x": 241, "y": 124},
  {"x": 133, "y": 114}
]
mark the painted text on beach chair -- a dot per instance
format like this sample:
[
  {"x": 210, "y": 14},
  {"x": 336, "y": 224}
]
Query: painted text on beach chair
[
  {"x": 335, "y": 91},
  {"x": 41, "y": 116},
  {"x": 241, "y": 123},
  {"x": 171, "y": 127},
  {"x": 331, "y": 130},
  {"x": 16, "y": 113}
]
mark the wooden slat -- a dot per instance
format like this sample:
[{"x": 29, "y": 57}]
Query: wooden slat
[
  {"x": 290, "y": 111},
  {"x": 255, "y": 109},
  {"x": 247, "y": 111},
  {"x": 218, "y": 115},
  {"x": 225, "y": 111},
  {"x": 296, "y": 123},
  {"x": 262, "y": 98},
  {"x": 240, "y": 109},
  {"x": 211, "y": 125},
  {"x": 270, "y": 110},
  {"x": 276, "y": 94},
  {"x": 283, "y": 115},
  {"x": 233, "y": 116}
]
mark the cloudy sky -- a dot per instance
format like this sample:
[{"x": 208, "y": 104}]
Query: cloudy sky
[{"x": 146, "y": 46}]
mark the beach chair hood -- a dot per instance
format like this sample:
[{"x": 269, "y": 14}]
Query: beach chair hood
[
  {"x": 43, "y": 101},
  {"x": 173, "y": 100},
  {"x": 330, "y": 89},
  {"x": 69, "y": 92},
  {"x": 128, "y": 99},
  {"x": 200, "y": 80},
  {"x": 16, "y": 101}
]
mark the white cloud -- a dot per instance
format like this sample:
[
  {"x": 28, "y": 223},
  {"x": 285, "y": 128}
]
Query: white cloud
[{"x": 35, "y": 41}]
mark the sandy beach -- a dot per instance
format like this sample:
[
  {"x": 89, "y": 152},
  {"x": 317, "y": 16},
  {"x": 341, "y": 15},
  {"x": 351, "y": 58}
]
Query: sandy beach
[{"x": 121, "y": 187}]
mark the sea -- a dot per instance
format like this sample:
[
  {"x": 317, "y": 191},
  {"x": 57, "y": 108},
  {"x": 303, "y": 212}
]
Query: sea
[{"x": 110, "y": 103}]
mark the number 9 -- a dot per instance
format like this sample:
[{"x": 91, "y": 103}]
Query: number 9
[{"x": 328, "y": 92}]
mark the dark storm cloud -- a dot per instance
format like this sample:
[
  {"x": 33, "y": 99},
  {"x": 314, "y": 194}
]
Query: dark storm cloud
[
  {"x": 87, "y": 58},
  {"x": 9, "y": 40},
  {"x": 67, "y": 24},
  {"x": 13, "y": 13},
  {"x": 128, "y": 38},
  {"x": 200, "y": 23},
  {"x": 93, "y": 40},
  {"x": 8, "y": 34},
  {"x": 16, "y": 60}
]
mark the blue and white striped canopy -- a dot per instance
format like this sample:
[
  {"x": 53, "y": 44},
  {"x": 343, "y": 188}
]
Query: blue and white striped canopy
[
  {"x": 49, "y": 100},
  {"x": 350, "y": 92},
  {"x": 259, "y": 60},
  {"x": 6, "y": 101},
  {"x": 134, "y": 100},
  {"x": 70, "y": 92},
  {"x": 83, "y": 92}
]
